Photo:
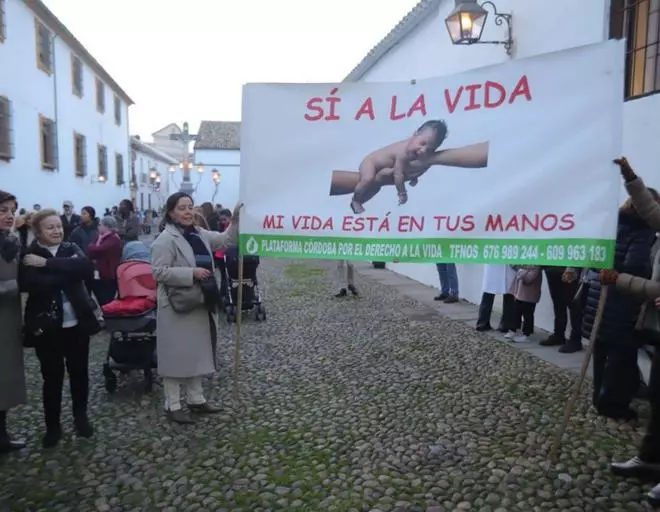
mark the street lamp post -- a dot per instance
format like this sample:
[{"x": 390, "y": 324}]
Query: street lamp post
[{"x": 185, "y": 137}]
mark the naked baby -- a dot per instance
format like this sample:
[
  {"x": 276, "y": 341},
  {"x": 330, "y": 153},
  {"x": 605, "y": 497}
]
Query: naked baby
[{"x": 399, "y": 159}]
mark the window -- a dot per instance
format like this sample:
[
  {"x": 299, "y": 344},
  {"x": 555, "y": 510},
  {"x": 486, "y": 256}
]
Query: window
[
  {"x": 48, "y": 142},
  {"x": 103, "y": 163},
  {"x": 44, "y": 48},
  {"x": 100, "y": 96},
  {"x": 80, "y": 154},
  {"x": 3, "y": 28},
  {"x": 6, "y": 149},
  {"x": 76, "y": 76},
  {"x": 639, "y": 22},
  {"x": 117, "y": 111},
  {"x": 119, "y": 168}
]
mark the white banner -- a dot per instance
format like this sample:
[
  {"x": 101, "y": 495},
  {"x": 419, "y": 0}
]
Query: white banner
[{"x": 505, "y": 164}]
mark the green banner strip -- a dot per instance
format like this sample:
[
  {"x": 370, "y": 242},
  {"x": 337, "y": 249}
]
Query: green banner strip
[{"x": 563, "y": 252}]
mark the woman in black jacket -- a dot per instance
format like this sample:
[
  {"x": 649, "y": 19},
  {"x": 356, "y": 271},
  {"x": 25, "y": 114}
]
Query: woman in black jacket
[
  {"x": 88, "y": 231},
  {"x": 59, "y": 319},
  {"x": 615, "y": 370}
]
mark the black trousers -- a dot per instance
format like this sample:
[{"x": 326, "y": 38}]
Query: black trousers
[
  {"x": 525, "y": 317},
  {"x": 650, "y": 449},
  {"x": 615, "y": 375},
  {"x": 562, "y": 295},
  {"x": 64, "y": 348},
  {"x": 105, "y": 290},
  {"x": 508, "y": 311}
]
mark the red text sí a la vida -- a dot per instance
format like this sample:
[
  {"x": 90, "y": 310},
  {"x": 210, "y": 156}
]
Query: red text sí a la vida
[
  {"x": 488, "y": 95},
  {"x": 492, "y": 223}
]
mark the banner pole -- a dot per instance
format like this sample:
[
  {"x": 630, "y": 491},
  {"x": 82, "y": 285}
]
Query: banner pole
[
  {"x": 239, "y": 321},
  {"x": 579, "y": 381}
]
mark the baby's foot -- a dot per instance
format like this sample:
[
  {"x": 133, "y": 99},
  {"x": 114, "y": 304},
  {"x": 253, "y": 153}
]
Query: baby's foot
[
  {"x": 357, "y": 207},
  {"x": 413, "y": 182}
]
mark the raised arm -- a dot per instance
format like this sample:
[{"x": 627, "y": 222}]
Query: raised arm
[
  {"x": 473, "y": 156},
  {"x": 163, "y": 255},
  {"x": 220, "y": 241},
  {"x": 639, "y": 287},
  {"x": 644, "y": 203}
]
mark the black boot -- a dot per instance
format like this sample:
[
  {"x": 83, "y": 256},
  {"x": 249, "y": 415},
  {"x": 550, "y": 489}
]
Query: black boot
[
  {"x": 353, "y": 290},
  {"x": 571, "y": 347},
  {"x": 83, "y": 426},
  {"x": 485, "y": 310},
  {"x": 52, "y": 437},
  {"x": 342, "y": 293}
]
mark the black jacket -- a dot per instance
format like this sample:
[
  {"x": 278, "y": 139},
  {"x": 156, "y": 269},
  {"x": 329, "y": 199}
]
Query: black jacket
[
  {"x": 632, "y": 251},
  {"x": 64, "y": 273},
  {"x": 69, "y": 226},
  {"x": 84, "y": 235}
]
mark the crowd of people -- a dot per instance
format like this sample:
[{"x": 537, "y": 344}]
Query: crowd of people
[{"x": 65, "y": 264}]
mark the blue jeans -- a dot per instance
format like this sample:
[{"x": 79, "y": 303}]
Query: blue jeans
[{"x": 448, "y": 279}]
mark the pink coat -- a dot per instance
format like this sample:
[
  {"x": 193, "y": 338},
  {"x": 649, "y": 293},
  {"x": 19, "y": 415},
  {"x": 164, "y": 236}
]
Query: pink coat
[{"x": 526, "y": 286}]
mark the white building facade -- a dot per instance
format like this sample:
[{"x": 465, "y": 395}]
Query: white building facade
[
  {"x": 150, "y": 172},
  {"x": 420, "y": 47},
  {"x": 63, "y": 119},
  {"x": 218, "y": 149}
]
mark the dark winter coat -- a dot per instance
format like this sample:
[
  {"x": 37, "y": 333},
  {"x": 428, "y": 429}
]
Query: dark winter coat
[
  {"x": 64, "y": 273},
  {"x": 84, "y": 235},
  {"x": 634, "y": 241},
  {"x": 69, "y": 225}
]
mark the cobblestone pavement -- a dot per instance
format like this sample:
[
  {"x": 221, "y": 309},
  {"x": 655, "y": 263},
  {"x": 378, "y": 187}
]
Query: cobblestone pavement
[{"x": 348, "y": 405}]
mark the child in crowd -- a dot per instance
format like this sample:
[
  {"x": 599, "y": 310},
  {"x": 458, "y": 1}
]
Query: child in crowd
[{"x": 526, "y": 288}]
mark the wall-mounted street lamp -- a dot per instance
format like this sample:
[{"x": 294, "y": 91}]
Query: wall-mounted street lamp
[
  {"x": 466, "y": 23},
  {"x": 99, "y": 178},
  {"x": 216, "y": 177},
  {"x": 154, "y": 180}
]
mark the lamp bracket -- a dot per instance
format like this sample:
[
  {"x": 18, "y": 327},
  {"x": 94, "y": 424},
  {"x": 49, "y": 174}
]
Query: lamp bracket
[{"x": 500, "y": 19}]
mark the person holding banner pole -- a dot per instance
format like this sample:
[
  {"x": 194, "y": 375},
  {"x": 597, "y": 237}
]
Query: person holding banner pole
[
  {"x": 615, "y": 371},
  {"x": 188, "y": 300},
  {"x": 346, "y": 279},
  {"x": 647, "y": 462}
]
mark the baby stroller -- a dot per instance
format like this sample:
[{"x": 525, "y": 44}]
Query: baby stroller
[
  {"x": 131, "y": 321},
  {"x": 251, "y": 300}
]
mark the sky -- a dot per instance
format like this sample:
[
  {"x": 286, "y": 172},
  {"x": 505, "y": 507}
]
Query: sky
[{"x": 187, "y": 61}]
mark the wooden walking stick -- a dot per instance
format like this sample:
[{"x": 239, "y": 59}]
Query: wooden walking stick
[{"x": 579, "y": 381}]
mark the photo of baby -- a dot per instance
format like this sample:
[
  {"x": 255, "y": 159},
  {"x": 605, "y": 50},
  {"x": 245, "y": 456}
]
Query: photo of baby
[{"x": 405, "y": 161}]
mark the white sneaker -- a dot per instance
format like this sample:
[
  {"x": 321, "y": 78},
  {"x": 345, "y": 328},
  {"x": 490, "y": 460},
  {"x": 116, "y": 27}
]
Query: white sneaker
[
  {"x": 510, "y": 335},
  {"x": 521, "y": 338}
]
